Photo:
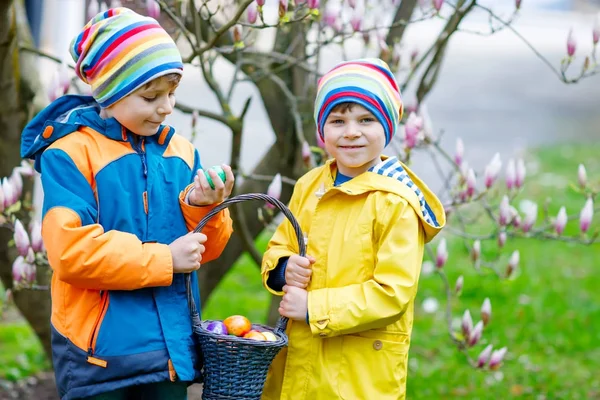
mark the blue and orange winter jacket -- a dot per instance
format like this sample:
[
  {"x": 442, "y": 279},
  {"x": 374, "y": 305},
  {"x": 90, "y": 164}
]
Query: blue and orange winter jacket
[{"x": 111, "y": 207}]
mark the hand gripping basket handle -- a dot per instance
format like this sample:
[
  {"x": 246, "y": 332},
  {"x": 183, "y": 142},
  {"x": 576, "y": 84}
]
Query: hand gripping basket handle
[{"x": 282, "y": 323}]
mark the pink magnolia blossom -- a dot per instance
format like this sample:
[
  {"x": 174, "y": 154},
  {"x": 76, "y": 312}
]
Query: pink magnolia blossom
[
  {"x": 437, "y": 4},
  {"x": 26, "y": 169},
  {"x": 458, "y": 286},
  {"x": 330, "y": 17},
  {"x": 486, "y": 311},
  {"x": 313, "y": 4},
  {"x": 484, "y": 356},
  {"x": 252, "y": 13},
  {"x": 476, "y": 250},
  {"x": 582, "y": 176},
  {"x": 260, "y": 3},
  {"x": 460, "y": 152},
  {"x": 571, "y": 44},
  {"x": 501, "y": 239},
  {"x": 531, "y": 213},
  {"x": 22, "y": 271},
  {"x": 476, "y": 334},
  {"x": 496, "y": 358},
  {"x": 411, "y": 130},
  {"x": 10, "y": 193},
  {"x": 492, "y": 170},
  {"x": 596, "y": 32},
  {"x": 153, "y": 9},
  {"x": 442, "y": 254},
  {"x": 586, "y": 215},
  {"x": 236, "y": 33},
  {"x": 466, "y": 324},
  {"x": 306, "y": 153},
  {"x": 471, "y": 182},
  {"x": 513, "y": 263},
  {"x": 518, "y": 4},
  {"x": 21, "y": 238},
  {"x": 283, "y": 7},
  {"x": 561, "y": 221},
  {"x": 505, "y": 213},
  {"x": 352, "y": 3},
  {"x": 17, "y": 182},
  {"x": 37, "y": 244},
  {"x": 511, "y": 174},
  {"x": 274, "y": 189},
  {"x": 356, "y": 21},
  {"x": 520, "y": 173}
]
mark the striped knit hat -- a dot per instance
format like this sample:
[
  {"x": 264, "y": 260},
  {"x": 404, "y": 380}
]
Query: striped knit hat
[
  {"x": 368, "y": 82},
  {"x": 119, "y": 51}
]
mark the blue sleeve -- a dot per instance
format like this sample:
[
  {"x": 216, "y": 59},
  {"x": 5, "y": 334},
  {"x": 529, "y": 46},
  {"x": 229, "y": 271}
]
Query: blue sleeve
[{"x": 276, "y": 280}]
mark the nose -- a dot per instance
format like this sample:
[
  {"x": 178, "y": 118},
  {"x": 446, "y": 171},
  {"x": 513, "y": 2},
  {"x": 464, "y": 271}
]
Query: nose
[
  {"x": 166, "y": 106},
  {"x": 352, "y": 130}
]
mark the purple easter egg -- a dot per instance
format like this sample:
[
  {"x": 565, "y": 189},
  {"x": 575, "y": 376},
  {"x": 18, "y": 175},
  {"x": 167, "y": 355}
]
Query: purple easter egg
[{"x": 217, "y": 327}]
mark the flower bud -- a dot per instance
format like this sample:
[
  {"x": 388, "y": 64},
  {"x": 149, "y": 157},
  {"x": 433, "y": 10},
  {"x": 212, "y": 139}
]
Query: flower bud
[
  {"x": 17, "y": 182},
  {"x": 329, "y": 17},
  {"x": 476, "y": 334},
  {"x": 283, "y": 6},
  {"x": 571, "y": 44},
  {"x": 466, "y": 324},
  {"x": 252, "y": 13},
  {"x": 596, "y": 33},
  {"x": 586, "y": 215},
  {"x": 356, "y": 21},
  {"x": 236, "y": 33},
  {"x": 511, "y": 174},
  {"x": 313, "y": 4},
  {"x": 518, "y": 4},
  {"x": 496, "y": 358},
  {"x": 476, "y": 250},
  {"x": 492, "y": 170},
  {"x": 37, "y": 244},
  {"x": 486, "y": 311},
  {"x": 352, "y": 3},
  {"x": 21, "y": 238},
  {"x": 582, "y": 176},
  {"x": 411, "y": 130},
  {"x": 471, "y": 183},
  {"x": 22, "y": 272},
  {"x": 561, "y": 221},
  {"x": 501, "y": 239},
  {"x": 442, "y": 254},
  {"x": 460, "y": 152},
  {"x": 505, "y": 212},
  {"x": 26, "y": 169},
  {"x": 531, "y": 212},
  {"x": 153, "y": 9},
  {"x": 306, "y": 153},
  {"x": 520, "y": 174},
  {"x": 513, "y": 263},
  {"x": 274, "y": 189},
  {"x": 437, "y": 4},
  {"x": 8, "y": 296},
  {"x": 458, "y": 286},
  {"x": 260, "y": 3},
  {"x": 484, "y": 356},
  {"x": 30, "y": 258}
]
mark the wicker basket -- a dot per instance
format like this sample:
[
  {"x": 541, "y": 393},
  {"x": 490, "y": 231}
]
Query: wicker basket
[{"x": 236, "y": 368}]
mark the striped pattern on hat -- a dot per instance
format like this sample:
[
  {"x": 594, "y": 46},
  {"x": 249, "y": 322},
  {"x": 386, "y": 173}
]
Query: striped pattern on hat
[
  {"x": 118, "y": 51},
  {"x": 368, "y": 82}
]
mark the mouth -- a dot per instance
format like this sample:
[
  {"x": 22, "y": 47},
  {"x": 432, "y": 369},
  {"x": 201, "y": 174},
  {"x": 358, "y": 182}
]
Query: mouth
[{"x": 350, "y": 147}]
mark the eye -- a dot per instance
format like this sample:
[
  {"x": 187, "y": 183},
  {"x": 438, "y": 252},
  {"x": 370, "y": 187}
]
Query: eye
[
  {"x": 367, "y": 120},
  {"x": 336, "y": 121},
  {"x": 149, "y": 99}
]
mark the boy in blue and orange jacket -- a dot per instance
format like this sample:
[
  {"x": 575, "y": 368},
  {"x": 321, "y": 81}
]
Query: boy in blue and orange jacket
[{"x": 122, "y": 191}]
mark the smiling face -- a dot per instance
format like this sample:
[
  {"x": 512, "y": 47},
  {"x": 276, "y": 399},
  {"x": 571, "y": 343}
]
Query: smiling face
[
  {"x": 143, "y": 111},
  {"x": 354, "y": 137}
]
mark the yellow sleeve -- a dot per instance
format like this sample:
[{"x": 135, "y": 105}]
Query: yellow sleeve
[{"x": 383, "y": 299}]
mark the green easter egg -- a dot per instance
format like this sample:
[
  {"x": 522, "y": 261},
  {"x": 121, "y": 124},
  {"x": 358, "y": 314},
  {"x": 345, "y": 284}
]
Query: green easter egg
[{"x": 219, "y": 172}]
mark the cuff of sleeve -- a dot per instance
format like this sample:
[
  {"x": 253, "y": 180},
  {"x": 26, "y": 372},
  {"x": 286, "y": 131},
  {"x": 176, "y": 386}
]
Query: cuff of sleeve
[
  {"x": 159, "y": 265},
  {"x": 320, "y": 314},
  {"x": 276, "y": 279},
  {"x": 270, "y": 262}
]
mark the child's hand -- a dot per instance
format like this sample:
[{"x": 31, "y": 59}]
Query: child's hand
[
  {"x": 299, "y": 270},
  {"x": 294, "y": 304},
  {"x": 187, "y": 252},
  {"x": 203, "y": 195}
]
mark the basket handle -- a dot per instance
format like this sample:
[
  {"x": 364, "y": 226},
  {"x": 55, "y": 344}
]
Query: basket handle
[{"x": 282, "y": 322}]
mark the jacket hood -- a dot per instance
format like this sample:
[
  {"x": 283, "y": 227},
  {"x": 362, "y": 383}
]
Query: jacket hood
[
  {"x": 391, "y": 175},
  {"x": 64, "y": 116}
]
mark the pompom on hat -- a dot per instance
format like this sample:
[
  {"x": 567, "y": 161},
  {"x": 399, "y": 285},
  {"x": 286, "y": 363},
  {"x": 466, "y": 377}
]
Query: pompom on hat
[
  {"x": 368, "y": 82},
  {"x": 118, "y": 51}
]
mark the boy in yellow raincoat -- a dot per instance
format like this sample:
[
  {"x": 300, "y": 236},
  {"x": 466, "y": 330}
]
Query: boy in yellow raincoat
[{"x": 367, "y": 218}]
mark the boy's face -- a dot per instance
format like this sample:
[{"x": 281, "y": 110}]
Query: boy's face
[
  {"x": 355, "y": 138},
  {"x": 143, "y": 111}
]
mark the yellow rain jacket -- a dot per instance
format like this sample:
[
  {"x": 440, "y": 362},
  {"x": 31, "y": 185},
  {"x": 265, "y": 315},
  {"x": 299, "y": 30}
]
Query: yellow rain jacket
[{"x": 367, "y": 236}]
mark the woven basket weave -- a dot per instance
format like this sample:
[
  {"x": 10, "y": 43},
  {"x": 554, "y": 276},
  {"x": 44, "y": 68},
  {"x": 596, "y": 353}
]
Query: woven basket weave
[{"x": 236, "y": 368}]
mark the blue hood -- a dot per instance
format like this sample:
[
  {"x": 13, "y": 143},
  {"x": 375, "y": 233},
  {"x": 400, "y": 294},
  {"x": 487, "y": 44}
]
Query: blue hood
[{"x": 63, "y": 116}]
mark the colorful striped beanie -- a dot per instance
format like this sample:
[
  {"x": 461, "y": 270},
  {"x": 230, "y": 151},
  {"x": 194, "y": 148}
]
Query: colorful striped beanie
[
  {"x": 368, "y": 82},
  {"x": 118, "y": 51}
]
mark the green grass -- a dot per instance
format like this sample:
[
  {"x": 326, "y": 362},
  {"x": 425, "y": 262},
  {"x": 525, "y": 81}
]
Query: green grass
[
  {"x": 21, "y": 353},
  {"x": 548, "y": 316}
]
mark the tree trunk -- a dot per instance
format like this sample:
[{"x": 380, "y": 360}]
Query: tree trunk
[{"x": 19, "y": 85}]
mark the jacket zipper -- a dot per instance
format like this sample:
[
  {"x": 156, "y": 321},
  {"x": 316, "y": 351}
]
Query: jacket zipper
[
  {"x": 94, "y": 335},
  {"x": 139, "y": 148}
]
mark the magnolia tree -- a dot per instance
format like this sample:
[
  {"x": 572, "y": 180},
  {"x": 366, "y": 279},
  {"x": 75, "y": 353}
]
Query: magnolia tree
[{"x": 285, "y": 75}]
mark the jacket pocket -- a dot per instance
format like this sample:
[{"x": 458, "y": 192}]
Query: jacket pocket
[
  {"x": 95, "y": 330},
  {"x": 372, "y": 368}
]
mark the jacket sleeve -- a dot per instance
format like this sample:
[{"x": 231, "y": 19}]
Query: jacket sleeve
[
  {"x": 383, "y": 299},
  {"x": 283, "y": 243},
  {"x": 79, "y": 251},
  {"x": 218, "y": 229}
]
